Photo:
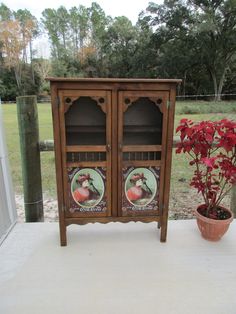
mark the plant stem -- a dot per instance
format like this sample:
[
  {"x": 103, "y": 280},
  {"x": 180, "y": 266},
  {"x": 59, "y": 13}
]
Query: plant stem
[{"x": 223, "y": 195}]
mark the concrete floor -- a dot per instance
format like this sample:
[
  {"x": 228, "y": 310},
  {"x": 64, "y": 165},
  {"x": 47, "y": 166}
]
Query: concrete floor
[{"x": 115, "y": 269}]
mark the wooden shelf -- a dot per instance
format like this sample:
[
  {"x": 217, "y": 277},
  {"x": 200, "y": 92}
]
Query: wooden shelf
[
  {"x": 86, "y": 129},
  {"x": 86, "y": 137},
  {"x": 141, "y": 129}
]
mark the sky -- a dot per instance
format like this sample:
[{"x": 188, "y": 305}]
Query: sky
[{"x": 128, "y": 8}]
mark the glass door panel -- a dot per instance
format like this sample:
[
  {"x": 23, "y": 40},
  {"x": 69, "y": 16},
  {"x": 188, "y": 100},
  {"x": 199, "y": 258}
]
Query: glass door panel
[
  {"x": 142, "y": 136},
  {"x": 85, "y": 122}
]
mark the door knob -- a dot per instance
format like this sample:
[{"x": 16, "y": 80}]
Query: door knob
[{"x": 108, "y": 147}]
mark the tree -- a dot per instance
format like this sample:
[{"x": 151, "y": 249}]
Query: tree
[
  {"x": 215, "y": 31},
  {"x": 79, "y": 25},
  {"x": 99, "y": 23},
  {"x": 8, "y": 87},
  {"x": 51, "y": 25},
  {"x": 25, "y": 17},
  {"x": 5, "y": 13},
  {"x": 76, "y": 37},
  {"x": 42, "y": 67},
  {"x": 119, "y": 43},
  {"x": 63, "y": 24},
  {"x": 146, "y": 54},
  {"x": 13, "y": 43},
  {"x": 171, "y": 40},
  {"x": 201, "y": 32}
]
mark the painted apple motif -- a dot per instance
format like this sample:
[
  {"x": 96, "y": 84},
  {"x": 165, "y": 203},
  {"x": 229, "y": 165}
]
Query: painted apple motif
[
  {"x": 81, "y": 194},
  {"x": 134, "y": 193}
]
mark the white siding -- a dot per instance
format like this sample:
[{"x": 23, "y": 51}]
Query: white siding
[{"x": 8, "y": 213}]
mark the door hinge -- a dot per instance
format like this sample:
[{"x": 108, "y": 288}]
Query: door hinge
[{"x": 168, "y": 104}]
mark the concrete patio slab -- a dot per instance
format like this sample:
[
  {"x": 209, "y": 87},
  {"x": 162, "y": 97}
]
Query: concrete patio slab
[{"x": 117, "y": 268}]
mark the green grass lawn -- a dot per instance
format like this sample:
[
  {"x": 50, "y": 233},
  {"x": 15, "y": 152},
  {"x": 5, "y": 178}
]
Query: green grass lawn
[
  {"x": 180, "y": 169},
  {"x": 201, "y": 107},
  {"x": 47, "y": 158}
]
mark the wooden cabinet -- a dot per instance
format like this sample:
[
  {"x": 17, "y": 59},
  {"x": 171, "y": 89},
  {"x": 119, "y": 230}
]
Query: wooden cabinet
[{"x": 113, "y": 147}]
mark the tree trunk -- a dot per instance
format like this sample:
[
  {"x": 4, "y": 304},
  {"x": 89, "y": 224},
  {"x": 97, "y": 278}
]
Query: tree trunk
[
  {"x": 64, "y": 40},
  {"x": 218, "y": 87},
  {"x": 184, "y": 83},
  {"x": 31, "y": 64},
  {"x": 221, "y": 84},
  {"x": 24, "y": 49},
  {"x": 76, "y": 45},
  {"x": 81, "y": 43},
  {"x": 213, "y": 76},
  {"x": 17, "y": 71}
]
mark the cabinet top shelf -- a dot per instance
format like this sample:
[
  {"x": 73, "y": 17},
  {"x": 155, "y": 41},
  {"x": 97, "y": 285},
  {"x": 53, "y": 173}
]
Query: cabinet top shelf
[
  {"x": 102, "y": 128},
  {"x": 86, "y": 129},
  {"x": 141, "y": 128},
  {"x": 112, "y": 80}
]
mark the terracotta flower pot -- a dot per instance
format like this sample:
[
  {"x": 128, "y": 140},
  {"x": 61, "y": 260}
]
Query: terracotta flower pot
[{"x": 212, "y": 229}]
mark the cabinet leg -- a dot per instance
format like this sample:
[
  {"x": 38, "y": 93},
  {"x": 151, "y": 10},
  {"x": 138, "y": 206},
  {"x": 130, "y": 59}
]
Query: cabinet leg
[
  {"x": 159, "y": 224},
  {"x": 164, "y": 222},
  {"x": 63, "y": 238},
  {"x": 163, "y": 236}
]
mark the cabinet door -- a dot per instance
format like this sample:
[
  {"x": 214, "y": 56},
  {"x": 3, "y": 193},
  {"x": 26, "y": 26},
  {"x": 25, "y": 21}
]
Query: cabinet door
[
  {"x": 142, "y": 134},
  {"x": 85, "y": 126}
]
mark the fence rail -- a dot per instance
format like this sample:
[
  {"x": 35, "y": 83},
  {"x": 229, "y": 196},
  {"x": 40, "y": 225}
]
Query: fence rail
[
  {"x": 204, "y": 95},
  {"x": 48, "y": 145}
]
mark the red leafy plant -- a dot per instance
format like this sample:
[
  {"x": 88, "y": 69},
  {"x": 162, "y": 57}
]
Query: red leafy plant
[{"x": 211, "y": 146}]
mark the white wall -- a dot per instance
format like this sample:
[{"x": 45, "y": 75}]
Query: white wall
[{"x": 8, "y": 213}]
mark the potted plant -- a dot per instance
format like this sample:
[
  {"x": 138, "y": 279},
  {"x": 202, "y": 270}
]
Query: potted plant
[{"x": 211, "y": 146}]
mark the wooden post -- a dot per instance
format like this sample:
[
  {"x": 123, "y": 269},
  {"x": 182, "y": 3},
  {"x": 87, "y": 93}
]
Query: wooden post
[
  {"x": 30, "y": 157},
  {"x": 233, "y": 200}
]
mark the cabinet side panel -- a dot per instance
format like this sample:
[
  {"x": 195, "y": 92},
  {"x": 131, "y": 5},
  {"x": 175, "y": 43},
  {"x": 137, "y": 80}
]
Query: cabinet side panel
[
  {"x": 119, "y": 151},
  {"x": 114, "y": 156},
  {"x": 109, "y": 146},
  {"x": 58, "y": 160},
  {"x": 169, "y": 145}
]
